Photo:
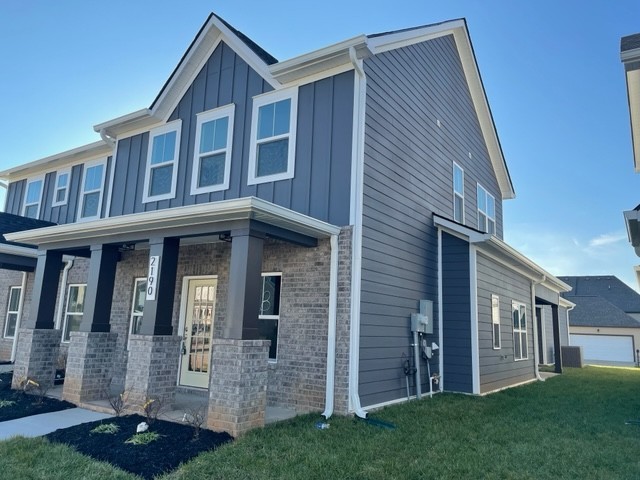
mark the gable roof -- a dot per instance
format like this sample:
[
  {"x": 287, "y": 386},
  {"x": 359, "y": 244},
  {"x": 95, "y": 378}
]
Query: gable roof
[
  {"x": 594, "y": 311},
  {"x": 10, "y": 223},
  {"x": 608, "y": 287}
]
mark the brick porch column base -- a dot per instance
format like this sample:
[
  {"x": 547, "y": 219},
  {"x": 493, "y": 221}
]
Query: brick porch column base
[
  {"x": 36, "y": 356},
  {"x": 238, "y": 386},
  {"x": 89, "y": 361},
  {"x": 152, "y": 369}
]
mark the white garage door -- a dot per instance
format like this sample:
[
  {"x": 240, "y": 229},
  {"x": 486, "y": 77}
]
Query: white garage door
[{"x": 606, "y": 348}]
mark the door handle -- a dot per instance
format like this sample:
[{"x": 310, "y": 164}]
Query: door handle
[{"x": 184, "y": 349}]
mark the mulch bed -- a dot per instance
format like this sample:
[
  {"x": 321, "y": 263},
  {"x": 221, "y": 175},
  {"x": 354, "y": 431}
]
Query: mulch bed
[
  {"x": 25, "y": 405},
  {"x": 176, "y": 444}
]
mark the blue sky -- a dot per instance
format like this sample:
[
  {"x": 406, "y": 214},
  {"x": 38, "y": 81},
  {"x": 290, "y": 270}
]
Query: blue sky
[{"x": 551, "y": 70}]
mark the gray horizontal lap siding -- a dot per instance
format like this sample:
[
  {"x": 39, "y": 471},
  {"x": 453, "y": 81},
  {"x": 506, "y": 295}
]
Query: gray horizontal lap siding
[
  {"x": 321, "y": 185},
  {"x": 456, "y": 315},
  {"x": 498, "y": 368}
]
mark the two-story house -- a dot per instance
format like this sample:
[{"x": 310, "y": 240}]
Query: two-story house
[{"x": 273, "y": 233}]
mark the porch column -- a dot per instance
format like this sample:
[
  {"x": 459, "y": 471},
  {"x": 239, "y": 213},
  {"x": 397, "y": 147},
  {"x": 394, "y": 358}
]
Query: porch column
[
  {"x": 154, "y": 354},
  {"x": 243, "y": 301},
  {"x": 556, "y": 338},
  {"x": 38, "y": 341},
  {"x": 91, "y": 349}
]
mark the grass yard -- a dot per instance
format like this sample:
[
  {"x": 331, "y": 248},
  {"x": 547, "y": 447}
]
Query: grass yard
[{"x": 571, "y": 426}]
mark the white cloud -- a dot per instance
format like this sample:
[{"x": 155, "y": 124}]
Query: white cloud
[{"x": 607, "y": 239}]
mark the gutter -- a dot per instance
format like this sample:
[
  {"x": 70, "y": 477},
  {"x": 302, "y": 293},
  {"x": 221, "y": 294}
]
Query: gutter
[
  {"x": 535, "y": 326},
  {"x": 331, "y": 333}
]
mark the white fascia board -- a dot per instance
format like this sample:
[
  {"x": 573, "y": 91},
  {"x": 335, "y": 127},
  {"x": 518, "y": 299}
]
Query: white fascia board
[
  {"x": 318, "y": 61},
  {"x": 566, "y": 303},
  {"x": 248, "y": 208},
  {"x": 135, "y": 120},
  {"x": 633, "y": 94},
  {"x": 54, "y": 162},
  {"x": 18, "y": 250},
  {"x": 391, "y": 41},
  {"x": 630, "y": 55}
]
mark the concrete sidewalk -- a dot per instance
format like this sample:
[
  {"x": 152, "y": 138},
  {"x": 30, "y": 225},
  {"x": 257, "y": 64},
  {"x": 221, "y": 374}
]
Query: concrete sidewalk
[{"x": 37, "y": 425}]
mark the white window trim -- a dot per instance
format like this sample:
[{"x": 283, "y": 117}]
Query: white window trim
[
  {"x": 266, "y": 99},
  {"x": 56, "y": 188},
  {"x": 9, "y": 312},
  {"x": 484, "y": 227},
  {"x": 176, "y": 126},
  {"x": 456, "y": 194},
  {"x": 87, "y": 166},
  {"x": 26, "y": 190},
  {"x": 520, "y": 331},
  {"x": 272, "y": 317},
  {"x": 208, "y": 116},
  {"x": 136, "y": 281},
  {"x": 65, "y": 324},
  {"x": 496, "y": 321}
]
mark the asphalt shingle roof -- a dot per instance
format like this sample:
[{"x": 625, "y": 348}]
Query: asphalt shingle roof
[
  {"x": 630, "y": 42},
  {"x": 608, "y": 287},
  {"x": 593, "y": 311},
  {"x": 10, "y": 223}
]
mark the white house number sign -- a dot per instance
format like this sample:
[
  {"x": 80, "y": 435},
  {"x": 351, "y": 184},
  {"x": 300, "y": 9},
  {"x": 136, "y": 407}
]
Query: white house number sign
[{"x": 152, "y": 277}]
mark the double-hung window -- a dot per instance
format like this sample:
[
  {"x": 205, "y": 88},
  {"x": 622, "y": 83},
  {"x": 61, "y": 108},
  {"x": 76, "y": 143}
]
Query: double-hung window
[
  {"x": 270, "y": 311},
  {"x": 33, "y": 198},
  {"x": 486, "y": 211},
  {"x": 162, "y": 162},
  {"x": 91, "y": 190},
  {"x": 61, "y": 191},
  {"x": 495, "y": 322},
  {"x": 13, "y": 312},
  {"x": 273, "y": 136},
  {"x": 458, "y": 193},
  {"x": 137, "y": 307},
  {"x": 520, "y": 349},
  {"x": 212, "y": 152},
  {"x": 74, "y": 310}
]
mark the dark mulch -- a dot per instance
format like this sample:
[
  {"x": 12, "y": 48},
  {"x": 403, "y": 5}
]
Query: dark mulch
[
  {"x": 175, "y": 446},
  {"x": 25, "y": 405}
]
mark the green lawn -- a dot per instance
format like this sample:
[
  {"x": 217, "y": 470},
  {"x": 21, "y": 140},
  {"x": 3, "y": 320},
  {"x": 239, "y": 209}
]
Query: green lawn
[{"x": 571, "y": 426}]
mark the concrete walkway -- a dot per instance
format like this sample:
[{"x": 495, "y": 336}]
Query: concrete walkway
[{"x": 37, "y": 425}]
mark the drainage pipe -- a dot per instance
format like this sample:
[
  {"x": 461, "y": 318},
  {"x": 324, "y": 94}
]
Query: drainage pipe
[
  {"x": 23, "y": 289},
  {"x": 331, "y": 333},
  {"x": 416, "y": 359}
]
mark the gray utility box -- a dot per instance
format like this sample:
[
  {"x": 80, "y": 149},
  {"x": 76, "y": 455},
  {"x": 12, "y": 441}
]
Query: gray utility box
[{"x": 423, "y": 322}]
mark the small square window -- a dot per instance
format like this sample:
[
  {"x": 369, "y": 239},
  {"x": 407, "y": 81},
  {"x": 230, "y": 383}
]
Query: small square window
[
  {"x": 162, "y": 161},
  {"x": 61, "y": 191}
]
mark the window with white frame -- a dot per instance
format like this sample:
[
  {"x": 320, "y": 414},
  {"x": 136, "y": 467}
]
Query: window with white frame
[
  {"x": 137, "y": 305},
  {"x": 162, "y": 162},
  {"x": 270, "y": 311},
  {"x": 13, "y": 312},
  {"x": 495, "y": 322},
  {"x": 486, "y": 211},
  {"x": 520, "y": 348},
  {"x": 61, "y": 191},
  {"x": 33, "y": 198},
  {"x": 458, "y": 193},
  {"x": 273, "y": 133},
  {"x": 212, "y": 152},
  {"x": 74, "y": 310},
  {"x": 91, "y": 190}
]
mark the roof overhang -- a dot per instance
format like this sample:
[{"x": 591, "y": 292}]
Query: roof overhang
[
  {"x": 564, "y": 303},
  {"x": 633, "y": 96},
  {"x": 193, "y": 220},
  {"x": 504, "y": 253},
  {"x": 632, "y": 222}
]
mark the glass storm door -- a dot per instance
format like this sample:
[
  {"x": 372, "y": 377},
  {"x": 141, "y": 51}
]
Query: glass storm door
[{"x": 198, "y": 331}]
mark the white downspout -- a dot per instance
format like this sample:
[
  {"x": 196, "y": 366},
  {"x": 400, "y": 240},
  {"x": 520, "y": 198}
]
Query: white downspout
[
  {"x": 534, "y": 320},
  {"x": 108, "y": 139},
  {"x": 331, "y": 333},
  {"x": 567, "y": 318},
  {"x": 356, "y": 263},
  {"x": 23, "y": 290},
  {"x": 63, "y": 288},
  {"x": 440, "y": 320}
]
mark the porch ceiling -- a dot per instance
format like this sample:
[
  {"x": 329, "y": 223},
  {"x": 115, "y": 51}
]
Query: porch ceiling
[{"x": 180, "y": 222}]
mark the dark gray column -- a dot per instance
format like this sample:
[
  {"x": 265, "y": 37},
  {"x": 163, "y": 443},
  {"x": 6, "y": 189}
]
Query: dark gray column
[
  {"x": 45, "y": 289},
  {"x": 157, "y": 315},
  {"x": 102, "y": 276},
  {"x": 557, "y": 349},
  {"x": 243, "y": 303}
]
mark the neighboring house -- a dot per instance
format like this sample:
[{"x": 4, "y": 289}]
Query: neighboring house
[
  {"x": 606, "y": 318},
  {"x": 265, "y": 230}
]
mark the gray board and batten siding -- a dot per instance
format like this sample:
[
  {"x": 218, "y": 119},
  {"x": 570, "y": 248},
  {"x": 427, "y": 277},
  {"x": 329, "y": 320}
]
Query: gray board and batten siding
[
  {"x": 498, "y": 368},
  {"x": 66, "y": 213},
  {"x": 321, "y": 185},
  {"x": 408, "y": 162}
]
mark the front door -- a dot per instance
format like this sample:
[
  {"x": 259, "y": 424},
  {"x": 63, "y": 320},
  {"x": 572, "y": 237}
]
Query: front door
[{"x": 197, "y": 334}]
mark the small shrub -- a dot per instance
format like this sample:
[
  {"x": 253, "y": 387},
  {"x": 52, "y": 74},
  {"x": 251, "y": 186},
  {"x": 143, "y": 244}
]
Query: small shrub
[
  {"x": 108, "y": 428},
  {"x": 31, "y": 386},
  {"x": 195, "y": 418},
  {"x": 143, "y": 438},
  {"x": 152, "y": 408},
  {"x": 6, "y": 403},
  {"x": 118, "y": 402}
]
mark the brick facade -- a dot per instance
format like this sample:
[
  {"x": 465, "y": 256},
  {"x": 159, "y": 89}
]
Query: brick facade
[{"x": 36, "y": 356}]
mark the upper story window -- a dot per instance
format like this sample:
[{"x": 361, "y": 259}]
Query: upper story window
[
  {"x": 458, "y": 193},
  {"x": 33, "y": 198},
  {"x": 91, "y": 190},
  {"x": 273, "y": 132},
  {"x": 162, "y": 162},
  {"x": 486, "y": 211},
  {"x": 61, "y": 191},
  {"x": 212, "y": 153},
  {"x": 270, "y": 311}
]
